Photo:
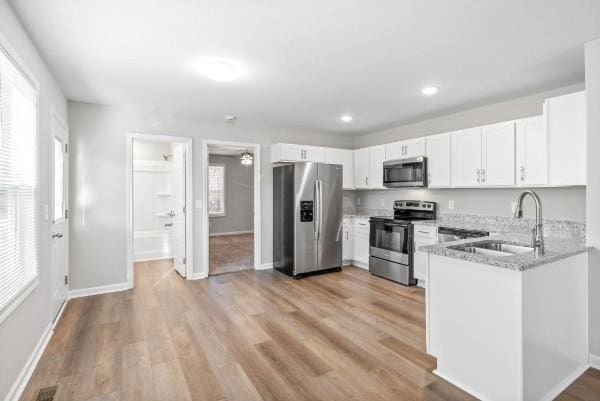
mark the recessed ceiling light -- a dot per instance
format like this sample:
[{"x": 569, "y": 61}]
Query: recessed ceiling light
[
  {"x": 220, "y": 71},
  {"x": 346, "y": 118},
  {"x": 430, "y": 90}
]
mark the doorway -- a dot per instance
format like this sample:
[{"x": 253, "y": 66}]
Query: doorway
[
  {"x": 58, "y": 212},
  {"x": 231, "y": 193},
  {"x": 159, "y": 188}
]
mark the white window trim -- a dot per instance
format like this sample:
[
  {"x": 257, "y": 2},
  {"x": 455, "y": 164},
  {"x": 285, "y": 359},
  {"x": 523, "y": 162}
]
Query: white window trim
[
  {"x": 28, "y": 288},
  {"x": 224, "y": 190}
]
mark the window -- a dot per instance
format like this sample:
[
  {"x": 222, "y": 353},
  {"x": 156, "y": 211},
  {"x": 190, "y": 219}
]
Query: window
[
  {"x": 216, "y": 190},
  {"x": 18, "y": 183}
]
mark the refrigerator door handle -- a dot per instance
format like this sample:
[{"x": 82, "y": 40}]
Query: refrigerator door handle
[
  {"x": 320, "y": 207},
  {"x": 317, "y": 217}
]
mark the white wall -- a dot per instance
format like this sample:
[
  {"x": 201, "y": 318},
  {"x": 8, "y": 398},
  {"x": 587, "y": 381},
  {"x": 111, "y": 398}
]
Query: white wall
[
  {"x": 592, "y": 82},
  {"x": 148, "y": 150},
  {"x": 22, "y": 330},
  {"x": 98, "y": 191},
  {"x": 239, "y": 196}
]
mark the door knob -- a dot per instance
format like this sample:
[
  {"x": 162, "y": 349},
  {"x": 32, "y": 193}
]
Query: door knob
[{"x": 57, "y": 235}]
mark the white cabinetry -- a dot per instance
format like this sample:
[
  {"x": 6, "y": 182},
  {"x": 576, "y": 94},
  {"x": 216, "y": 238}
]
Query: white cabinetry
[
  {"x": 347, "y": 241},
  {"x": 405, "y": 149},
  {"x": 566, "y": 126},
  {"x": 345, "y": 157},
  {"x": 286, "y": 152},
  {"x": 360, "y": 242},
  {"x": 423, "y": 235},
  {"x": 484, "y": 156},
  {"x": 498, "y": 155},
  {"x": 531, "y": 152},
  {"x": 466, "y": 158},
  {"x": 368, "y": 167},
  {"x": 438, "y": 161}
]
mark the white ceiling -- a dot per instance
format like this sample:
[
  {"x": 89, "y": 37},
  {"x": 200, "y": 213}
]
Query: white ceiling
[{"x": 307, "y": 62}]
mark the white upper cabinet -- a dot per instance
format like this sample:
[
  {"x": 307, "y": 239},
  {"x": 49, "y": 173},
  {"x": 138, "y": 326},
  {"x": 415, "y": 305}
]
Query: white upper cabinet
[
  {"x": 362, "y": 168},
  {"x": 466, "y": 157},
  {"x": 405, "y": 149},
  {"x": 531, "y": 152},
  {"x": 286, "y": 152},
  {"x": 345, "y": 157},
  {"x": 498, "y": 155},
  {"x": 438, "y": 161},
  {"x": 376, "y": 159},
  {"x": 566, "y": 127}
]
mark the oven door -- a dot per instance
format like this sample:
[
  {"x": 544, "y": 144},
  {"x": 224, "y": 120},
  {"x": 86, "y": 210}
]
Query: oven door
[
  {"x": 405, "y": 173},
  {"x": 389, "y": 241}
]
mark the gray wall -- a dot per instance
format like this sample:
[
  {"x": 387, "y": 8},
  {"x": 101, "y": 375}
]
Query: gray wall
[
  {"x": 239, "y": 196},
  {"x": 22, "y": 330},
  {"x": 559, "y": 203},
  {"x": 592, "y": 81},
  {"x": 98, "y": 159}
]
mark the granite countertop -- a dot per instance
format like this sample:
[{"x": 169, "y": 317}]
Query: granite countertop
[{"x": 555, "y": 249}]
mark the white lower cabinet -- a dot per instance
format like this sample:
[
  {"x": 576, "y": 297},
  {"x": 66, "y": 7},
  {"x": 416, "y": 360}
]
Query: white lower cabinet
[
  {"x": 360, "y": 242},
  {"x": 423, "y": 235},
  {"x": 347, "y": 242}
]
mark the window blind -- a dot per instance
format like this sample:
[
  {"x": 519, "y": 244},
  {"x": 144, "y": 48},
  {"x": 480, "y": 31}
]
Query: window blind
[{"x": 18, "y": 182}]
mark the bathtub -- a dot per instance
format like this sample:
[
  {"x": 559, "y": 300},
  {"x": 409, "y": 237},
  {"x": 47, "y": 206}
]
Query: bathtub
[{"x": 151, "y": 245}]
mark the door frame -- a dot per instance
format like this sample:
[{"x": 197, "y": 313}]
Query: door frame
[
  {"x": 189, "y": 214},
  {"x": 255, "y": 147},
  {"x": 55, "y": 117}
]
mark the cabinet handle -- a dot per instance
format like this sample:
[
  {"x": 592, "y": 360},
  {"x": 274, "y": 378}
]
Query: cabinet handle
[
  {"x": 367, "y": 180},
  {"x": 483, "y": 176},
  {"x": 522, "y": 173},
  {"x": 478, "y": 175}
]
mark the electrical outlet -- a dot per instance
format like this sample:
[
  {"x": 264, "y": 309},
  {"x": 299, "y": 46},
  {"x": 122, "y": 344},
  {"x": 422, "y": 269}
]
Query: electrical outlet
[
  {"x": 450, "y": 205},
  {"x": 513, "y": 206},
  {"x": 382, "y": 202},
  {"x": 357, "y": 201}
]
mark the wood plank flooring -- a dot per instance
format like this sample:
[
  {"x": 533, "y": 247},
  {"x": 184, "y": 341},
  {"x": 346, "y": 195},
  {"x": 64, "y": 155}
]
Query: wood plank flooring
[{"x": 249, "y": 336}]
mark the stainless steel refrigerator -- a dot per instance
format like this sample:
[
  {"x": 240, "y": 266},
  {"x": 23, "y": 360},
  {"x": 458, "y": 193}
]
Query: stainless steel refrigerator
[{"x": 307, "y": 218}]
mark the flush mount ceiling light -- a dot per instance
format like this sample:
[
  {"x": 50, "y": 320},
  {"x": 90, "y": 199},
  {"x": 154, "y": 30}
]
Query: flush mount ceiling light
[
  {"x": 220, "y": 71},
  {"x": 346, "y": 118},
  {"x": 246, "y": 158},
  {"x": 429, "y": 90}
]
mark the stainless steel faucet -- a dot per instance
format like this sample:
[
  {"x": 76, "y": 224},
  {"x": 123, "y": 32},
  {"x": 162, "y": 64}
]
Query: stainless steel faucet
[{"x": 537, "y": 239}]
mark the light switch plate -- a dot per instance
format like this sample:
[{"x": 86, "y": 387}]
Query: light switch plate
[
  {"x": 46, "y": 212},
  {"x": 198, "y": 204},
  {"x": 450, "y": 205},
  {"x": 382, "y": 202},
  {"x": 357, "y": 201}
]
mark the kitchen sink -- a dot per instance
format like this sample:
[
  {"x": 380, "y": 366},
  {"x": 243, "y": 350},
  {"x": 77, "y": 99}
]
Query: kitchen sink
[{"x": 492, "y": 248}]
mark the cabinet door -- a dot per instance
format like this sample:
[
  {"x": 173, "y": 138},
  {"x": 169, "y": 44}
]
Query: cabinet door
[
  {"x": 567, "y": 148},
  {"x": 394, "y": 151},
  {"x": 532, "y": 157},
  {"x": 314, "y": 154},
  {"x": 360, "y": 247},
  {"x": 498, "y": 154},
  {"x": 438, "y": 161},
  {"x": 466, "y": 157},
  {"x": 361, "y": 168},
  {"x": 345, "y": 157},
  {"x": 347, "y": 243},
  {"x": 376, "y": 158},
  {"x": 414, "y": 148},
  {"x": 421, "y": 262}
]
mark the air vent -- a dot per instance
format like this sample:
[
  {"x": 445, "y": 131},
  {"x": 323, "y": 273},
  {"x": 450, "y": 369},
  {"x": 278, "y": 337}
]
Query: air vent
[{"x": 46, "y": 394}]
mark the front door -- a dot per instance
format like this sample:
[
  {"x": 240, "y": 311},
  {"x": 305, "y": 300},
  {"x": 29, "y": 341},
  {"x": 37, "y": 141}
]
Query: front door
[
  {"x": 58, "y": 213},
  {"x": 178, "y": 181}
]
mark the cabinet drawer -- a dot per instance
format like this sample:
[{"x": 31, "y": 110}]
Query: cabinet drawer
[{"x": 425, "y": 233}]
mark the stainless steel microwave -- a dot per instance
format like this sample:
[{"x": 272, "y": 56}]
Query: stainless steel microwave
[{"x": 410, "y": 172}]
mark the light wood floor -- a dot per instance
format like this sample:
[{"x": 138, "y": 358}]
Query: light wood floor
[
  {"x": 248, "y": 336},
  {"x": 231, "y": 253}
]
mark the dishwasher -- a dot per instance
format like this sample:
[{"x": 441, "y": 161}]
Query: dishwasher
[{"x": 450, "y": 234}]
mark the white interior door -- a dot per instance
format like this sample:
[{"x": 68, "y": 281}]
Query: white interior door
[
  {"x": 58, "y": 213},
  {"x": 178, "y": 180}
]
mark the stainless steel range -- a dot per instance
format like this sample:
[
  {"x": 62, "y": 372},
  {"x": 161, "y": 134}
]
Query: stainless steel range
[{"x": 391, "y": 240}]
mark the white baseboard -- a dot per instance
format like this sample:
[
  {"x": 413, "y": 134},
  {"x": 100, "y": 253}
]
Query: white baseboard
[
  {"x": 595, "y": 361},
  {"x": 197, "y": 276},
  {"x": 149, "y": 256},
  {"x": 265, "y": 266},
  {"x": 231, "y": 233},
  {"x": 458, "y": 384},
  {"x": 560, "y": 387},
  {"x": 84, "y": 292},
  {"x": 18, "y": 386},
  {"x": 360, "y": 264}
]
